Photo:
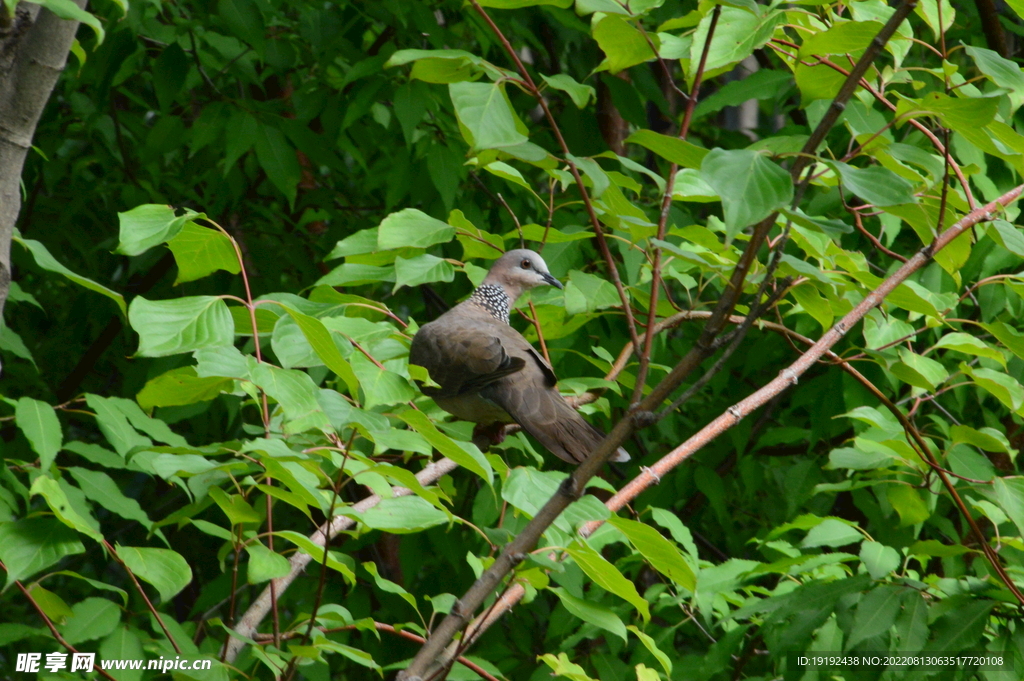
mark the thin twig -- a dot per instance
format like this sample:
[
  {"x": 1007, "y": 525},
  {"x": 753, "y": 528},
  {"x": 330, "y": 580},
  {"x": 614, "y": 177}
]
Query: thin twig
[
  {"x": 142, "y": 592},
  {"x": 49, "y": 625},
  {"x": 602, "y": 244},
  {"x": 666, "y": 205}
]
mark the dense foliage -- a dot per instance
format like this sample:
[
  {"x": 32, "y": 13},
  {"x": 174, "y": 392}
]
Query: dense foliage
[{"x": 237, "y": 213}]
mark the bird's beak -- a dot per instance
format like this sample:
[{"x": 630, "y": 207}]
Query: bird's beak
[{"x": 551, "y": 280}]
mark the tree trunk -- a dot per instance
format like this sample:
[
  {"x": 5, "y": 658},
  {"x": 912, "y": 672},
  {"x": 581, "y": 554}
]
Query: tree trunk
[{"x": 34, "y": 46}]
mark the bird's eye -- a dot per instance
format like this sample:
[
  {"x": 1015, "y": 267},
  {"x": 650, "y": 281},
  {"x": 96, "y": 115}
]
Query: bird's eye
[{"x": 525, "y": 265}]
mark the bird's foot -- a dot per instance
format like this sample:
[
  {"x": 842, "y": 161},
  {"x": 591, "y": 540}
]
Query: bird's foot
[
  {"x": 486, "y": 436},
  {"x": 642, "y": 419}
]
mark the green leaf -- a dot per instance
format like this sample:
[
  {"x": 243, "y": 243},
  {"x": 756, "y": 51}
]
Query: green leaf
[
  {"x": 66, "y": 9},
  {"x": 1001, "y": 71},
  {"x": 63, "y": 508},
  {"x": 444, "y": 165},
  {"x": 518, "y": 4},
  {"x": 831, "y": 532},
  {"x": 1008, "y": 336},
  {"x": 401, "y": 515},
  {"x": 101, "y": 488},
  {"x": 1007, "y": 236},
  {"x": 200, "y": 251},
  {"x": 581, "y": 94},
  {"x": 660, "y": 552},
  {"x": 155, "y": 428},
  {"x": 38, "y": 421},
  {"x": 322, "y": 342},
  {"x": 466, "y": 454},
  {"x": 961, "y": 114},
  {"x": 181, "y": 386},
  {"x": 561, "y": 665},
  {"x": 234, "y": 506},
  {"x": 149, "y": 225},
  {"x": 970, "y": 345},
  {"x": 985, "y": 439},
  {"x": 751, "y": 186},
  {"x": 592, "y": 613},
  {"x": 34, "y": 544},
  {"x": 316, "y": 551},
  {"x": 91, "y": 619},
  {"x": 264, "y": 564},
  {"x": 918, "y": 370},
  {"x": 388, "y": 586},
  {"x": 738, "y": 34},
  {"x": 277, "y": 157},
  {"x": 46, "y": 261},
  {"x": 52, "y": 605},
  {"x": 363, "y": 241},
  {"x": 123, "y": 644},
  {"x": 876, "y": 185},
  {"x": 164, "y": 569},
  {"x": 484, "y": 113},
  {"x": 244, "y": 19},
  {"x": 623, "y": 44},
  {"x": 673, "y": 149},
  {"x": 356, "y": 274},
  {"x": 876, "y": 612},
  {"x": 296, "y": 393},
  {"x": 675, "y": 527},
  {"x": 380, "y": 386},
  {"x": 170, "y": 70},
  {"x": 1009, "y": 494},
  {"x": 96, "y": 454},
  {"x": 908, "y": 503},
  {"x": 879, "y": 559},
  {"x": 659, "y": 655},
  {"x": 114, "y": 425},
  {"x": 842, "y": 38},
  {"x": 607, "y": 576},
  {"x": 1003, "y": 386},
  {"x": 422, "y": 269},
  {"x": 171, "y": 327},
  {"x": 960, "y": 629},
  {"x": 912, "y": 625}
]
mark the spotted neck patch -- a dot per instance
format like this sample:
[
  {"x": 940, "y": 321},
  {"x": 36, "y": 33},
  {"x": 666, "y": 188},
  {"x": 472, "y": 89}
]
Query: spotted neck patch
[{"x": 493, "y": 299}]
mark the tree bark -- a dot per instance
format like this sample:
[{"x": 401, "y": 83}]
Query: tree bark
[{"x": 34, "y": 46}]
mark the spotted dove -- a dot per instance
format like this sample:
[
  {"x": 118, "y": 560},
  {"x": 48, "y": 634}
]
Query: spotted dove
[{"x": 490, "y": 375}]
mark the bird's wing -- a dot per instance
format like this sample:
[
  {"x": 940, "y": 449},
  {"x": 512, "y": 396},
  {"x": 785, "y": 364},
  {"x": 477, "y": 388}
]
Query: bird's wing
[
  {"x": 530, "y": 397},
  {"x": 462, "y": 355}
]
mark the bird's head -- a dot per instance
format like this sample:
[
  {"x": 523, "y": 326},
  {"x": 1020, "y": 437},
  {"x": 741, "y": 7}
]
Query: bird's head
[{"x": 520, "y": 270}]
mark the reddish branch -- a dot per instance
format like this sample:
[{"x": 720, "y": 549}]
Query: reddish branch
[
  {"x": 431, "y": 657},
  {"x": 247, "y": 624},
  {"x": 666, "y": 205},
  {"x": 939, "y": 146},
  {"x": 49, "y": 624},
  {"x": 651, "y": 476}
]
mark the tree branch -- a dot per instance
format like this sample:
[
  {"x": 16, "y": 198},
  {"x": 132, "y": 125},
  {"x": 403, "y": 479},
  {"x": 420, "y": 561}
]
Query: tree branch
[
  {"x": 250, "y": 621},
  {"x": 33, "y": 53},
  {"x": 430, "y": 656}
]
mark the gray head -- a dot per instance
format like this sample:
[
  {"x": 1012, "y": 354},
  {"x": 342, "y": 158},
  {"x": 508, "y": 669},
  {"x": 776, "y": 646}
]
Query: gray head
[{"x": 518, "y": 271}]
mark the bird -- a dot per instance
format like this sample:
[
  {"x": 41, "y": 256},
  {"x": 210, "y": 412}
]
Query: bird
[{"x": 488, "y": 373}]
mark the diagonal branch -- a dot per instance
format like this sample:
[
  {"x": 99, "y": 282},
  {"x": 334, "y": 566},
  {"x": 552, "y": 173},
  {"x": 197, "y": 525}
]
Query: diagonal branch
[
  {"x": 791, "y": 374},
  {"x": 430, "y": 656},
  {"x": 248, "y": 623}
]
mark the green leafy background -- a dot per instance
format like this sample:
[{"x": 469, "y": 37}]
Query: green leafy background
[{"x": 356, "y": 160}]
